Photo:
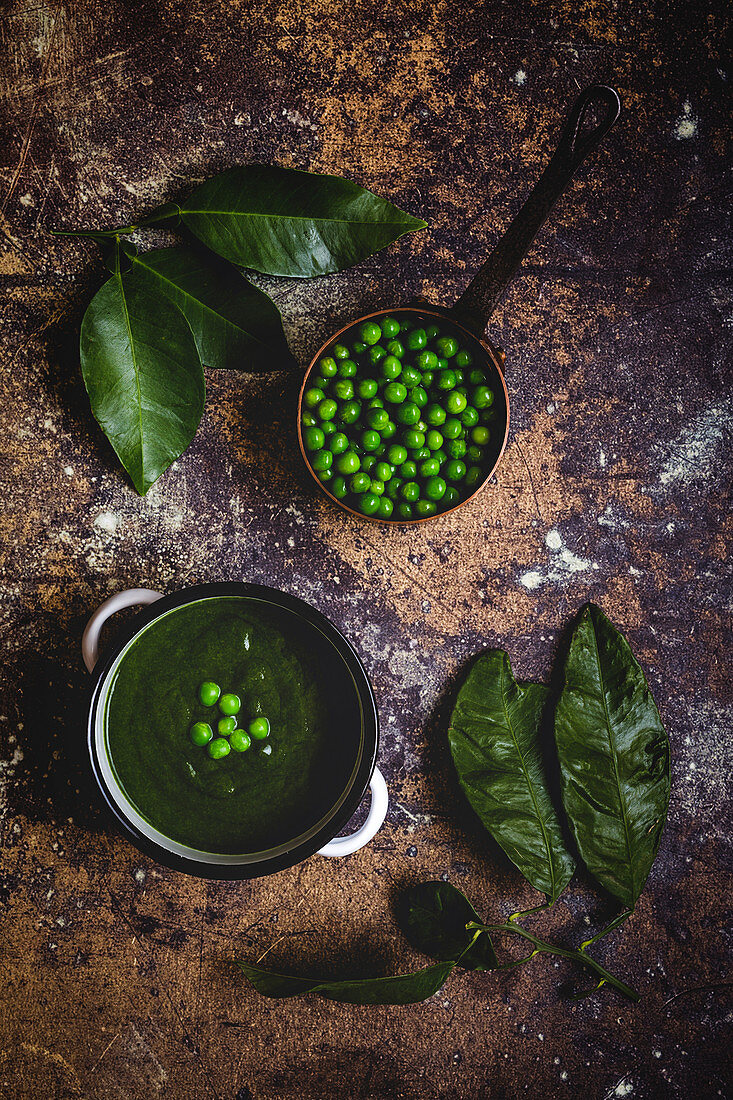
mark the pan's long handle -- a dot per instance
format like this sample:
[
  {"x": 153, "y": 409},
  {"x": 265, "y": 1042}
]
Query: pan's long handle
[{"x": 478, "y": 301}]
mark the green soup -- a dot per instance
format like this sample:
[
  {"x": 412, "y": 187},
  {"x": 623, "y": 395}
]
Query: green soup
[{"x": 281, "y": 667}]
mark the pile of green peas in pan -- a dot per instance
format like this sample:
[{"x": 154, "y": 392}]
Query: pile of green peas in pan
[
  {"x": 396, "y": 419},
  {"x": 228, "y": 737}
]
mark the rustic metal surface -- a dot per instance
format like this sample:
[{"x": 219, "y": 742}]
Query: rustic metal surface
[{"x": 117, "y": 974}]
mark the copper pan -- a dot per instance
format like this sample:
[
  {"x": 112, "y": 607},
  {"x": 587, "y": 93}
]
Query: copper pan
[{"x": 591, "y": 117}]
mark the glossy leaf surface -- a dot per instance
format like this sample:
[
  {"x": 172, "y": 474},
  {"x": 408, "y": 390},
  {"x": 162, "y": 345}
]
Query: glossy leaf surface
[
  {"x": 400, "y": 989},
  {"x": 235, "y": 325},
  {"x": 495, "y": 741},
  {"x": 614, "y": 757},
  {"x": 434, "y": 915},
  {"x": 143, "y": 375},
  {"x": 285, "y": 222}
]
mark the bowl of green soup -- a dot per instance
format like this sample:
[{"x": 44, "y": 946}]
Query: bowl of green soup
[{"x": 232, "y": 730}]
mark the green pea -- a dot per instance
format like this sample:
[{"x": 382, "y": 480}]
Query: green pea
[
  {"x": 396, "y": 454},
  {"x": 380, "y": 449},
  {"x": 309, "y": 419},
  {"x": 482, "y": 397},
  {"x": 209, "y": 693},
  {"x": 404, "y": 510},
  {"x": 343, "y": 389},
  {"x": 429, "y": 467},
  {"x": 219, "y": 747},
  {"x": 340, "y": 351},
  {"x": 440, "y": 456},
  {"x": 377, "y": 418},
  {"x": 390, "y": 326},
  {"x": 396, "y": 348},
  {"x": 347, "y": 368},
  {"x": 370, "y": 332},
  {"x": 469, "y": 417},
  {"x": 328, "y": 367},
  {"x": 383, "y": 471},
  {"x": 358, "y": 348},
  {"x": 408, "y": 414},
  {"x": 348, "y": 463},
  {"x": 327, "y": 408},
  {"x": 417, "y": 339},
  {"x": 230, "y": 703},
  {"x": 367, "y": 503},
  {"x": 452, "y": 497},
  {"x": 395, "y": 393},
  {"x": 464, "y": 358},
  {"x": 314, "y": 440},
  {"x": 390, "y": 368},
  {"x": 370, "y": 440},
  {"x": 201, "y": 733},
  {"x": 368, "y": 461},
  {"x": 377, "y": 487},
  {"x": 338, "y": 488},
  {"x": 460, "y": 376},
  {"x": 321, "y": 460},
  {"x": 433, "y": 440},
  {"x": 312, "y": 397},
  {"x": 360, "y": 483},
  {"x": 421, "y": 454},
  {"x": 435, "y": 414},
  {"x": 408, "y": 469},
  {"x": 349, "y": 412},
  {"x": 476, "y": 377},
  {"x": 384, "y": 511},
  {"x": 452, "y": 428},
  {"x": 328, "y": 428},
  {"x": 474, "y": 474},
  {"x": 435, "y": 488},
  {"x": 375, "y": 354},
  {"x": 410, "y": 376},
  {"x": 480, "y": 435},
  {"x": 367, "y": 387},
  {"x": 426, "y": 360},
  {"x": 321, "y": 383},
  {"x": 240, "y": 741},
  {"x": 338, "y": 443},
  {"x": 421, "y": 426},
  {"x": 424, "y": 508},
  {"x": 226, "y": 726},
  {"x": 428, "y": 377},
  {"x": 259, "y": 728},
  {"x": 455, "y": 402},
  {"x": 389, "y": 429},
  {"x": 431, "y": 331},
  {"x": 324, "y": 475},
  {"x": 418, "y": 396},
  {"x": 410, "y": 491},
  {"x": 455, "y": 470},
  {"x": 413, "y": 438},
  {"x": 446, "y": 346},
  {"x": 446, "y": 380},
  {"x": 442, "y": 364}
]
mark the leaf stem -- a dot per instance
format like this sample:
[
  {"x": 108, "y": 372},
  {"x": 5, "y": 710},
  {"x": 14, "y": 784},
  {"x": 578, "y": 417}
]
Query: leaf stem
[
  {"x": 526, "y": 912},
  {"x": 609, "y": 928},
  {"x": 544, "y": 948}
]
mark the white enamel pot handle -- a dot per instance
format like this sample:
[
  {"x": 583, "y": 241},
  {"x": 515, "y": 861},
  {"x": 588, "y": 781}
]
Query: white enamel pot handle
[
  {"x": 131, "y": 597},
  {"x": 347, "y": 845}
]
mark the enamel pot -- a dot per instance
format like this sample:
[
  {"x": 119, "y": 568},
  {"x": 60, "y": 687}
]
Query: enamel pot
[
  {"x": 322, "y": 837},
  {"x": 590, "y": 118}
]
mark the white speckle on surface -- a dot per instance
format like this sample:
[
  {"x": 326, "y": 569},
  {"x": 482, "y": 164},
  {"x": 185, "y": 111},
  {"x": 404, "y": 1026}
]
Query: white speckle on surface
[
  {"x": 26, "y": 200},
  {"x": 693, "y": 457},
  {"x": 531, "y": 580},
  {"x": 573, "y": 563},
  {"x": 634, "y": 572},
  {"x": 139, "y": 876},
  {"x": 657, "y": 1053},
  {"x": 299, "y": 120},
  {"x": 623, "y": 1088},
  {"x": 602, "y": 458},
  {"x": 241, "y": 118},
  {"x": 7, "y": 775},
  {"x": 69, "y": 471},
  {"x": 553, "y": 540},
  {"x": 519, "y": 78},
  {"x": 563, "y": 1075},
  {"x": 267, "y": 750},
  {"x": 564, "y": 564},
  {"x": 551, "y": 407},
  {"x": 106, "y": 522},
  {"x": 686, "y": 125}
]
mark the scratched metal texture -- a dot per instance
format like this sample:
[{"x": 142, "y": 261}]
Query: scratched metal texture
[{"x": 117, "y": 974}]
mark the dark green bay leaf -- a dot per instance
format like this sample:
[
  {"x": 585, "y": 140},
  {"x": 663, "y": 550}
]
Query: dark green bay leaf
[
  {"x": 143, "y": 375},
  {"x": 614, "y": 757},
  {"x": 235, "y": 325},
  {"x": 495, "y": 741},
  {"x": 285, "y": 222},
  {"x": 399, "y": 989},
  {"x": 434, "y": 915}
]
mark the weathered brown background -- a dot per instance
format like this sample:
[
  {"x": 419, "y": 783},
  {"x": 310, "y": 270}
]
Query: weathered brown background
[{"x": 117, "y": 974}]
